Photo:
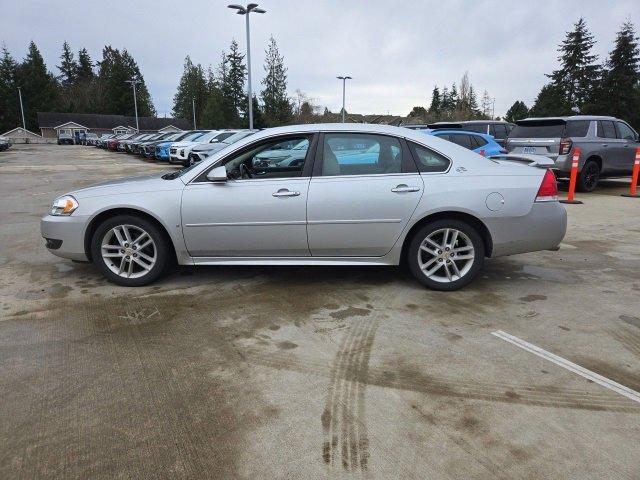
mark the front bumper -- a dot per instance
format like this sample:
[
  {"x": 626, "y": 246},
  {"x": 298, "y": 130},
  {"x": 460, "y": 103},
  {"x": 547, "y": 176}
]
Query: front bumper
[{"x": 65, "y": 233}]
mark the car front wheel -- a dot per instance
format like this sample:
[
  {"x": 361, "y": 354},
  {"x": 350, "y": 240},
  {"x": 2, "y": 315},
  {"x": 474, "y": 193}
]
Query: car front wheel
[
  {"x": 446, "y": 255},
  {"x": 129, "y": 250}
]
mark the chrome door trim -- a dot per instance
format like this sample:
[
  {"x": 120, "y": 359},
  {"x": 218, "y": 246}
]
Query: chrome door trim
[
  {"x": 246, "y": 224},
  {"x": 343, "y": 222}
]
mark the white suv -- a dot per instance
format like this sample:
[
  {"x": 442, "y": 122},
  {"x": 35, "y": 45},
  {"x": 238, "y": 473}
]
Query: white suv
[{"x": 179, "y": 151}]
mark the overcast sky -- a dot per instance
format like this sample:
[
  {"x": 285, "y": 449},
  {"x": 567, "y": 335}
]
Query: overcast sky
[{"x": 395, "y": 51}]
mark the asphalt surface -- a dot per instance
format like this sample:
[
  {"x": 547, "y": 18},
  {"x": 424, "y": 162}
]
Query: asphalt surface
[{"x": 292, "y": 372}]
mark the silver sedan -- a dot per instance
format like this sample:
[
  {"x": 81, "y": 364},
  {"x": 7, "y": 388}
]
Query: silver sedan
[{"x": 362, "y": 195}]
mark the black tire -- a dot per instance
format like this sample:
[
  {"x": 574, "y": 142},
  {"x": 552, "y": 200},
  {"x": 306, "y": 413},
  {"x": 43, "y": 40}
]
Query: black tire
[
  {"x": 424, "y": 232},
  {"x": 163, "y": 251},
  {"x": 589, "y": 176}
]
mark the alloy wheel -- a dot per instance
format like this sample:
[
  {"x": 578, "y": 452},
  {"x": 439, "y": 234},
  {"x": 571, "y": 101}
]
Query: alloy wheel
[
  {"x": 446, "y": 255},
  {"x": 129, "y": 251},
  {"x": 591, "y": 175}
]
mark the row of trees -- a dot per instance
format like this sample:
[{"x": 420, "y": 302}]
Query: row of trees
[
  {"x": 454, "y": 104},
  {"x": 220, "y": 96},
  {"x": 81, "y": 85},
  {"x": 582, "y": 84}
]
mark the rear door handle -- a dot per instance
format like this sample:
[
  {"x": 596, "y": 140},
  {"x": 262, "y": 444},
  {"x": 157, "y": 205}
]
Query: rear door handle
[
  {"x": 283, "y": 192},
  {"x": 405, "y": 188}
]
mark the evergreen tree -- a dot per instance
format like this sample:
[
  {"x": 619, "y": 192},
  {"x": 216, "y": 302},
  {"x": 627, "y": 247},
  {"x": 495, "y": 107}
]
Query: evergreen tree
[
  {"x": 436, "y": 102},
  {"x": 619, "y": 94},
  {"x": 277, "y": 107},
  {"x": 473, "y": 102},
  {"x": 193, "y": 87},
  {"x": 419, "y": 113},
  {"x": 68, "y": 67},
  {"x": 578, "y": 72},
  {"x": 550, "y": 102},
  {"x": 517, "y": 111},
  {"x": 85, "y": 65},
  {"x": 232, "y": 86},
  {"x": 445, "y": 103},
  {"x": 9, "y": 103},
  {"x": 453, "y": 98},
  {"x": 259, "y": 120},
  {"x": 115, "y": 69},
  {"x": 39, "y": 87}
]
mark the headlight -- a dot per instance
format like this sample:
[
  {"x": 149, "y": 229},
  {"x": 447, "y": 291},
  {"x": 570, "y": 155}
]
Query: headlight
[{"x": 64, "y": 205}]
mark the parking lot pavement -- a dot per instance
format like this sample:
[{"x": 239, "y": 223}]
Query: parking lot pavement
[{"x": 292, "y": 372}]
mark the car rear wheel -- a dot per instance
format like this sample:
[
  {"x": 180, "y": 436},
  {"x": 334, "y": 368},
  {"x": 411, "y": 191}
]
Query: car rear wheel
[
  {"x": 589, "y": 176},
  {"x": 446, "y": 255},
  {"x": 129, "y": 250}
]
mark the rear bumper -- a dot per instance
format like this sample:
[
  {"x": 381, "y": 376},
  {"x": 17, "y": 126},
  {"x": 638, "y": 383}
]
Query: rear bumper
[
  {"x": 64, "y": 236},
  {"x": 543, "y": 228}
]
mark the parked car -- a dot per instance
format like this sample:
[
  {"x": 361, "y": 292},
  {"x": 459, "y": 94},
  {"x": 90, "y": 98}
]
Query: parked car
[
  {"x": 162, "y": 148},
  {"x": 89, "y": 139},
  {"x": 4, "y": 144},
  {"x": 429, "y": 202},
  {"x": 179, "y": 152},
  {"x": 102, "y": 141},
  {"x": 148, "y": 147},
  {"x": 112, "y": 143},
  {"x": 134, "y": 146},
  {"x": 65, "y": 138},
  {"x": 498, "y": 129},
  {"x": 607, "y": 145},
  {"x": 122, "y": 144},
  {"x": 203, "y": 151},
  {"x": 478, "y": 142}
]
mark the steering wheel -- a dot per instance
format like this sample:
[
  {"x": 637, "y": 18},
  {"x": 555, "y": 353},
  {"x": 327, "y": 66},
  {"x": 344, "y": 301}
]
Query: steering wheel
[{"x": 244, "y": 170}]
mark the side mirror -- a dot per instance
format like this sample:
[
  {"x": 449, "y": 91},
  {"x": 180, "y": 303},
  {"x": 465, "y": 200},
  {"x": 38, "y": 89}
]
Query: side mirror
[{"x": 217, "y": 174}]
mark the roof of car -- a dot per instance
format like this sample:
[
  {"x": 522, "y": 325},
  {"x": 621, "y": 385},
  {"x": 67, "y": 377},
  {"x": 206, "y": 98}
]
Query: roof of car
[{"x": 568, "y": 118}]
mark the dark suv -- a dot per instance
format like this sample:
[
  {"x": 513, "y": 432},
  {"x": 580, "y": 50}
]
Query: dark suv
[{"x": 607, "y": 145}]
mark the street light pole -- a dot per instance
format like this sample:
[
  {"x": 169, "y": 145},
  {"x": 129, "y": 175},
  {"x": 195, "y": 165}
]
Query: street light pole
[
  {"x": 344, "y": 84},
  {"x": 193, "y": 104},
  {"x": 251, "y": 7},
  {"x": 134, "y": 82},
  {"x": 24, "y": 124}
]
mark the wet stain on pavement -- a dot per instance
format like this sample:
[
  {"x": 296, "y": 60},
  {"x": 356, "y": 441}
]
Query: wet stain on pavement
[
  {"x": 533, "y": 298},
  {"x": 350, "y": 312},
  {"x": 631, "y": 320}
]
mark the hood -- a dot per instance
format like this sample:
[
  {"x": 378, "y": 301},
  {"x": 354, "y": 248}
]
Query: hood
[
  {"x": 183, "y": 144},
  {"x": 141, "y": 183},
  {"x": 163, "y": 144}
]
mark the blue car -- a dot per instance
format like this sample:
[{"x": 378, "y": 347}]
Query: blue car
[
  {"x": 161, "y": 151},
  {"x": 477, "y": 142}
]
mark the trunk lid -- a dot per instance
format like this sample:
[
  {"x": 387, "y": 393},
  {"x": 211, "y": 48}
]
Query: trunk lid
[{"x": 537, "y": 137}]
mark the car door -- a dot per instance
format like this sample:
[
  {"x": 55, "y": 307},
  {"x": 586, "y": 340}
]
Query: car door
[
  {"x": 611, "y": 148},
  {"x": 629, "y": 143},
  {"x": 363, "y": 191},
  {"x": 259, "y": 211}
]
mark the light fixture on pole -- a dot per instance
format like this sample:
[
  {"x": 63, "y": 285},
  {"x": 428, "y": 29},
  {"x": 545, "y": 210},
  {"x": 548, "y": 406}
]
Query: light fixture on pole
[
  {"x": 134, "y": 82},
  {"x": 24, "y": 124},
  {"x": 251, "y": 7},
  {"x": 193, "y": 105},
  {"x": 344, "y": 83}
]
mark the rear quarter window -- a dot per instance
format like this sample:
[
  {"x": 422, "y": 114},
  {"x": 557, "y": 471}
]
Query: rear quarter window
[
  {"x": 577, "y": 128},
  {"x": 427, "y": 160}
]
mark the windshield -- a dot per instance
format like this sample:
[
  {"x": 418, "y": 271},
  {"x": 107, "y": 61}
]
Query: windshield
[
  {"x": 192, "y": 136},
  {"x": 235, "y": 137}
]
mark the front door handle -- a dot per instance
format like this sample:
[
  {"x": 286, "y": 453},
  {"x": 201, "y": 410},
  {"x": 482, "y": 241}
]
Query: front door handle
[
  {"x": 283, "y": 192},
  {"x": 605, "y": 144},
  {"x": 405, "y": 188}
]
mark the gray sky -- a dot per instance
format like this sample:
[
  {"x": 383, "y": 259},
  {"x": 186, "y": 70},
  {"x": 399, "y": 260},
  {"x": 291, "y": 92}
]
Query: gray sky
[{"x": 396, "y": 51}]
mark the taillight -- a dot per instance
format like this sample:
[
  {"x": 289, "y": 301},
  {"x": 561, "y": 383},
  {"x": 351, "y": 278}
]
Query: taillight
[
  {"x": 565, "y": 146},
  {"x": 548, "y": 191}
]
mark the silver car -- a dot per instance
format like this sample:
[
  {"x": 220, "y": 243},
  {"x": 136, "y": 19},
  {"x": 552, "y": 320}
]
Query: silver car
[
  {"x": 607, "y": 145},
  {"x": 364, "y": 195}
]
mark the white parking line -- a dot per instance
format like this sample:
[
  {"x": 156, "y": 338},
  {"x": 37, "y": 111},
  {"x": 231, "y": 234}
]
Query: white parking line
[{"x": 583, "y": 372}]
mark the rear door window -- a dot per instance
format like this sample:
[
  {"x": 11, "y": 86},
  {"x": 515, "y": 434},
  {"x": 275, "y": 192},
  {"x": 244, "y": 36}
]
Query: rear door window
[
  {"x": 478, "y": 141},
  {"x": 361, "y": 154},
  {"x": 538, "y": 130},
  {"x": 606, "y": 129},
  {"x": 577, "y": 128}
]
